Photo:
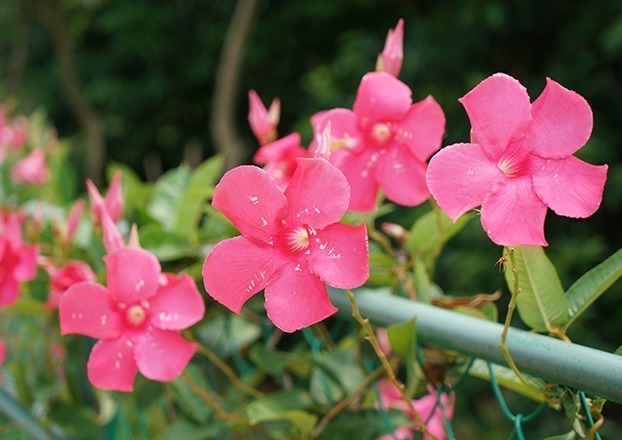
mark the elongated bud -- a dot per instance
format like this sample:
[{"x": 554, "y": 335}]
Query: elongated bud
[
  {"x": 263, "y": 122},
  {"x": 133, "y": 240},
  {"x": 114, "y": 198},
  {"x": 73, "y": 219},
  {"x": 113, "y": 239},
  {"x": 390, "y": 60}
]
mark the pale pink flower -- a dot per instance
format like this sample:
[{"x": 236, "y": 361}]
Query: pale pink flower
[
  {"x": 519, "y": 162},
  {"x": 61, "y": 278},
  {"x": 291, "y": 244},
  {"x": 430, "y": 408},
  {"x": 384, "y": 142},
  {"x": 137, "y": 317},
  {"x": 31, "y": 169},
  {"x": 18, "y": 261},
  {"x": 263, "y": 122},
  {"x": 112, "y": 203},
  {"x": 390, "y": 60},
  {"x": 279, "y": 158}
]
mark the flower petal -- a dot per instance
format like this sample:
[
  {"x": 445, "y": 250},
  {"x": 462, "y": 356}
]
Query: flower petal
[
  {"x": 280, "y": 148},
  {"x": 133, "y": 274},
  {"x": 9, "y": 290},
  {"x": 318, "y": 194},
  {"x": 252, "y": 200},
  {"x": 402, "y": 177},
  {"x": 422, "y": 128},
  {"x": 561, "y": 122},
  {"x": 344, "y": 130},
  {"x": 459, "y": 177},
  {"x": 569, "y": 186},
  {"x": 499, "y": 111},
  {"x": 111, "y": 365},
  {"x": 177, "y": 304},
  {"x": 26, "y": 269},
  {"x": 513, "y": 215},
  {"x": 162, "y": 355},
  {"x": 381, "y": 97},
  {"x": 340, "y": 255},
  {"x": 88, "y": 309},
  {"x": 238, "y": 268},
  {"x": 295, "y": 298},
  {"x": 360, "y": 172}
]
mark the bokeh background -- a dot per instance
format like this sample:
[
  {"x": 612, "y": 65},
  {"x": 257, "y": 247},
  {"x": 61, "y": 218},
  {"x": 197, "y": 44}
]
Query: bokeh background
[{"x": 138, "y": 82}]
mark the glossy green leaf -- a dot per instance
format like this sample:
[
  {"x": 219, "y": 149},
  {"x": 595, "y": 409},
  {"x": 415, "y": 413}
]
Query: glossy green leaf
[
  {"x": 165, "y": 201},
  {"x": 167, "y": 246},
  {"x": 541, "y": 301},
  {"x": 200, "y": 187},
  {"x": 506, "y": 378},
  {"x": 403, "y": 338},
  {"x": 226, "y": 338},
  {"x": 188, "y": 400},
  {"x": 592, "y": 285},
  {"x": 285, "y": 405},
  {"x": 424, "y": 287},
  {"x": 430, "y": 233}
]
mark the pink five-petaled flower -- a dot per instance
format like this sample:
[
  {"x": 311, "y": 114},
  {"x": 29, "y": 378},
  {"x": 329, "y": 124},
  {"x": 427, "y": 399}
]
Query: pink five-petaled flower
[
  {"x": 291, "y": 243},
  {"x": 31, "y": 169},
  {"x": 61, "y": 278},
  {"x": 390, "y": 60},
  {"x": 432, "y": 410},
  {"x": 137, "y": 317},
  {"x": 18, "y": 261},
  {"x": 384, "y": 141},
  {"x": 279, "y": 158},
  {"x": 263, "y": 122},
  {"x": 112, "y": 203},
  {"x": 519, "y": 162}
]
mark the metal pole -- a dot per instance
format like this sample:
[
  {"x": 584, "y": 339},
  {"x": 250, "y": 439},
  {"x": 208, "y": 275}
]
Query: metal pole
[
  {"x": 18, "y": 414},
  {"x": 583, "y": 368}
]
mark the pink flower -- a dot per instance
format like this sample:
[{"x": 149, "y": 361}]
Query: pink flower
[
  {"x": 2, "y": 355},
  {"x": 427, "y": 407},
  {"x": 291, "y": 243},
  {"x": 112, "y": 203},
  {"x": 263, "y": 122},
  {"x": 18, "y": 262},
  {"x": 61, "y": 278},
  {"x": 279, "y": 158},
  {"x": 519, "y": 161},
  {"x": 12, "y": 134},
  {"x": 31, "y": 169},
  {"x": 137, "y": 317},
  {"x": 390, "y": 60},
  {"x": 384, "y": 142}
]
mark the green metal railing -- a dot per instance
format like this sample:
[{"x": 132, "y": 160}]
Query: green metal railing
[{"x": 583, "y": 368}]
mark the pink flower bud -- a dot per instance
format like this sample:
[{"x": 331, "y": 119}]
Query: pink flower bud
[
  {"x": 263, "y": 122},
  {"x": 31, "y": 169},
  {"x": 390, "y": 60}
]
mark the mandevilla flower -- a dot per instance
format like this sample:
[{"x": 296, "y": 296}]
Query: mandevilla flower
[
  {"x": 263, "y": 122},
  {"x": 61, "y": 278},
  {"x": 18, "y": 261},
  {"x": 384, "y": 141},
  {"x": 291, "y": 243},
  {"x": 137, "y": 317},
  {"x": 430, "y": 408},
  {"x": 279, "y": 158},
  {"x": 31, "y": 169},
  {"x": 519, "y": 161},
  {"x": 390, "y": 60}
]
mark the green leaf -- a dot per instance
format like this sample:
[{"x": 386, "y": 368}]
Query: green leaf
[
  {"x": 425, "y": 288},
  {"x": 592, "y": 285},
  {"x": 541, "y": 301},
  {"x": 200, "y": 187},
  {"x": 572, "y": 435},
  {"x": 226, "y": 338},
  {"x": 285, "y": 405},
  {"x": 274, "y": 362},
  {"x": 165, "y": 201},
  {"x": 167, "y": 246},
  {"x": 430, "y": 233},
  {"x": 188, "y": 400},
  {"x": 508, "y": 379},
  {"x": 403, "y": 338}
]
